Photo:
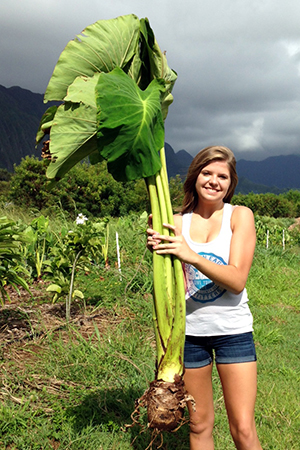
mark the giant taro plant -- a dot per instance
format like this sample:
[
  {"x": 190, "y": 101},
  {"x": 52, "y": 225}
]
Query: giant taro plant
[{"x": 115, "y": 86}]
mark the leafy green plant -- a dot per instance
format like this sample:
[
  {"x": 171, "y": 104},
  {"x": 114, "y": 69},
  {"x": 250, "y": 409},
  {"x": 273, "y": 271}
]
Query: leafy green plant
[
  {"x": 118, "y": 106},
  {"x": 272, "y": 232},
  {"x": 268, "y": 204},
  {"x": 10, "y": 258},
  {"x": 39, "y": 241},
  {"x": 74, "y": 250},
  {"x": 87, "y": 188}
]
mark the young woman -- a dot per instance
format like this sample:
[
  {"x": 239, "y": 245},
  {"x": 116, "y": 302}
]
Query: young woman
[{"x": 215, "y": 242}]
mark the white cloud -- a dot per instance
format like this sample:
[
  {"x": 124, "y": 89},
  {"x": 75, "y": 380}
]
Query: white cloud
[{"x": 250, "y": 137}]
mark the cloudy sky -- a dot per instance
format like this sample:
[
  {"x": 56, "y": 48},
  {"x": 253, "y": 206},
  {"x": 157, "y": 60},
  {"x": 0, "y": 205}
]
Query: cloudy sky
[{"x": 238, "y": 63}]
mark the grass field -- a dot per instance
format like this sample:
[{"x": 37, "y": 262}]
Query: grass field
[{"x": 74, "y": 387}]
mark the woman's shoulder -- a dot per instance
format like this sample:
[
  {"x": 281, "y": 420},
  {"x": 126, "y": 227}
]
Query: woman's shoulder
[
  {"x": 241, "y": 215},
  {"x": 239, "y": 209}
]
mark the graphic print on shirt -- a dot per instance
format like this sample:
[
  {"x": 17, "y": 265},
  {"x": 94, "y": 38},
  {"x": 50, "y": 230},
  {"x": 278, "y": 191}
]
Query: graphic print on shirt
[{"x": 199, "y": 287}]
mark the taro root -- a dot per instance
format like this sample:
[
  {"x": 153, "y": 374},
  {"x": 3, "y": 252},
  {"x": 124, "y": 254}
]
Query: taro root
[{"x": 115, "y": 87}]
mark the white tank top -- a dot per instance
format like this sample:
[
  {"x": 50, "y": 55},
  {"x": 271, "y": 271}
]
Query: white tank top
[{"x": 210, "y": 309}]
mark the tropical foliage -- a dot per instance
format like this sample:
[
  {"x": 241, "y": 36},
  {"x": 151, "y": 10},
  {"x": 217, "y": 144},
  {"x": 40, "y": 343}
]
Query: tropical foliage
[
  {"x": 117, "y": 104},
  {"x": 271, "y": 232},
  {"x": 11, "y": 269},
  {"x": 92, "y": 190},
  {"x": 282, "y": 205},
  {"x": 78, "y": 248},
  {"x": 115, "y": 110},
  {"x": 88, "y": 189},
  {"x": 41, "y": 253}
]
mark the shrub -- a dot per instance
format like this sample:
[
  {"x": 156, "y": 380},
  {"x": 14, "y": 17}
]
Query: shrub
[
  {"x": 87, "y": 189},
  {"x": 271, "y": 205}
]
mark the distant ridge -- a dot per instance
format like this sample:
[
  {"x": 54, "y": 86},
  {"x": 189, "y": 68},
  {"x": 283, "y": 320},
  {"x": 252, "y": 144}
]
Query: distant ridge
[
  {"x": 274, "y": 174},
  {"x": 21, "y": 111},
  {"x": 20, "y": 114},
  {"x": 280, "y": 171},
  {"x": 177, "y": 163}
]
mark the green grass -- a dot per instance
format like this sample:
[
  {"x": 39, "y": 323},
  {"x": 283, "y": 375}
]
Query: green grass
[
  {"x": 75, "y": 387},
  {"x": 274, "y": 287}
]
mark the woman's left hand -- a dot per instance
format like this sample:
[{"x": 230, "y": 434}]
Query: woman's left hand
[{"x": 173, "y": 245}]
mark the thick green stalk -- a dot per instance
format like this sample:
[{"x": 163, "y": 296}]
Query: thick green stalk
[
  {"x": 163, "y": 314},
  {"x": 163, "y": 200},
  {"x": 178, "y": 337},
  {"x": 169, "y": 295},
  {"x": 165, "y": 184},
  {"x": 172, "y": 363}
]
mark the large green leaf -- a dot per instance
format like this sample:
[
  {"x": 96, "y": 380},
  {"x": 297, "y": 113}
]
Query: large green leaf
[
  {"x": 128, "y": 44},
  {"x": 45, "y": 123},
  {"x": 151, "y": 63},
  {"x": 101, "y": 47},
  {"x": 158, "y": 66},
  {"x": 130, "y": 125},
  {"x": 74, "y": 128},
  {"x": 82, "y": 90}
]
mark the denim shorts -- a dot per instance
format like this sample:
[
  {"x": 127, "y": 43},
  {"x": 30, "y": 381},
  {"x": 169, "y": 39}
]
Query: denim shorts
[{"x": 200, "y": 351}]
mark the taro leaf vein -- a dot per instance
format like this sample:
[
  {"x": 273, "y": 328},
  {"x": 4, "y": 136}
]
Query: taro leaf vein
[{"x": 130, "y": 125}]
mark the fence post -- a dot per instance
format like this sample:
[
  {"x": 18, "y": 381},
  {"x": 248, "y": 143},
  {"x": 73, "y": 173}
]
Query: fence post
[{"x": 118, "y": 253}]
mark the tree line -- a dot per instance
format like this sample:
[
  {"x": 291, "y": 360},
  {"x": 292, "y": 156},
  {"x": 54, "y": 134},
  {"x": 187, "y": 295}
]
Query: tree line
[{"x": 91, "y": 190}]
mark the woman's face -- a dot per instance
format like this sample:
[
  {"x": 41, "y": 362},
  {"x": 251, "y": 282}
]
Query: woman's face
[{"x": 213, "y": 181}]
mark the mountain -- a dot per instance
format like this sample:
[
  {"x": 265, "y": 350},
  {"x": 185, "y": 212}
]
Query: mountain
[
  {"x": 21, "y": 111},
  {"x": 245, "y": 186},
  {"x": 177, "y": 163},
  {"x": 20, "y": 114},
  {"x": 280, "y": 171},
  {"x": 274, "y": 174}
]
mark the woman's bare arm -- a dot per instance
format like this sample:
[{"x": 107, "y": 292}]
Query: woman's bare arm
[{"x": 233, "y": 276}]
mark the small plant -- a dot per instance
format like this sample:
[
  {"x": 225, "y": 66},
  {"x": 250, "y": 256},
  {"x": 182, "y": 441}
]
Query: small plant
[
  {"x": 75, "y": 249},
  {"x": 10, "y": 259},
  {"x": 270, "y": 231},
  {"x": 39, "y": 242}
]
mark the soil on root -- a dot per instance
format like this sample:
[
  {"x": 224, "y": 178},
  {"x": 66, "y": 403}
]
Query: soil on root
[{"x": 165, "y": 403}]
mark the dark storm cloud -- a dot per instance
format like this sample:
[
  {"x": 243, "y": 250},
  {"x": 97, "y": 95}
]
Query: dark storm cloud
[{"x": 237, "y": 61}]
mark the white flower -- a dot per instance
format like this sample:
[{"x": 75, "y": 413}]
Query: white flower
[{"x": 80, "y": 219}]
